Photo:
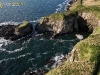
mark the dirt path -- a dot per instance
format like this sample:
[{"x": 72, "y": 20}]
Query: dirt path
[{"x": 91, "y": 2}]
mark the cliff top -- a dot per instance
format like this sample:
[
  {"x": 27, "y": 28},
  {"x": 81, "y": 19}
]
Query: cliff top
[
  {"x": 91, "y": 2},
  {"x": 85, "y": 3},
  {"x": 85, "y": 56}
]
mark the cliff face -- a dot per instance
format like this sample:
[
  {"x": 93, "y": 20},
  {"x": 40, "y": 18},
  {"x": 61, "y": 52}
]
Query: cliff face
[
  {"x": 68, "y": 22},
  {"x": 85, "y": 56},
  {"x": 84, "y": 59},
  {"x": 58, "y": 24}
]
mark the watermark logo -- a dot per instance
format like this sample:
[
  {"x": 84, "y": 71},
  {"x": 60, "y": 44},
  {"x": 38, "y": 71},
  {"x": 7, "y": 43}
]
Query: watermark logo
[{"x": 11, "y": 4}]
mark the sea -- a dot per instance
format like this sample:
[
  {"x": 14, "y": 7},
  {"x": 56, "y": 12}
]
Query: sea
[{"x": 34, "y": 53}]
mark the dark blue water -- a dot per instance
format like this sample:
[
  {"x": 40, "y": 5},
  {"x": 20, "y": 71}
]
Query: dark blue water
[
  {"x": 31, "y": 10},
  {"x": 35, "y": 52}
]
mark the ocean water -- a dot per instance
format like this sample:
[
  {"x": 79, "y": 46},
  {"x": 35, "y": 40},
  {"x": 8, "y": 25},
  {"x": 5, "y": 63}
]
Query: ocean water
[{"x": 16, "y": 57}]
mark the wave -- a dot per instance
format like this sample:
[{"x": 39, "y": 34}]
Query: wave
[
  {"x": 17, "y": 23},
  {"x": 36, "y": 20},
  {"x": 13, "y": 58},
  {"x": 14, "y": 51},
  {"x": 4, "y": 42},
  {"x": 62, "y": 6},
  {"x": 57, "y": 59},
  {"x": 54, "y": 61},
  {"x": 9, "y": 23}
]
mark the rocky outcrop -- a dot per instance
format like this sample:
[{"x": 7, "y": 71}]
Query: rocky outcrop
[
  {"x": 62, "y": 23},
  {"x": 58, "y": 24},
  {"x": 13, "y": 32},
  {"x": 84, "y": 59},
  {"x": 87, "y": 21},
  {"x": 6, "y": 31}
]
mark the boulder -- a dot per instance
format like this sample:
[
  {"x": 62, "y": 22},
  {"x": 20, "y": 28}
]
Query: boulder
[{"x": 13, "y": 32}]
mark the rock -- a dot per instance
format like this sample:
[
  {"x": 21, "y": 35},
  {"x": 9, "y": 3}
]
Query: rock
[
  {"x": 13, "y": 32},
  {"x": 79, "y": 36},
  {"x": 6, "y": 31},
  {"x": 22, "y": 30},
  {"x": 68, "y": 22},
  {"x": 58, "y": 24}
]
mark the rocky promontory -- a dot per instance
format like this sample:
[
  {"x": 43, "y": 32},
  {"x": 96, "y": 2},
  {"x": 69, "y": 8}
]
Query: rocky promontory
[
  {"x": 84, "y": 59},
  {"x": 58, "y": 24},
  {"x": 12, "y": 32},
  {"x": 68, "y": 22}
]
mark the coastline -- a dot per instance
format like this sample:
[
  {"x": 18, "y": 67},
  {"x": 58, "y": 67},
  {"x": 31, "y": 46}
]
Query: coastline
[{"x": 75, "y": 57}]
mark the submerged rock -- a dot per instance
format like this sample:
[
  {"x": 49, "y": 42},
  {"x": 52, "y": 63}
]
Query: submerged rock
[{"x": 13, "y": 32}]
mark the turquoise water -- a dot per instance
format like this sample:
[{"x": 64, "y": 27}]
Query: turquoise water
[{"x": 19, "y": 56}]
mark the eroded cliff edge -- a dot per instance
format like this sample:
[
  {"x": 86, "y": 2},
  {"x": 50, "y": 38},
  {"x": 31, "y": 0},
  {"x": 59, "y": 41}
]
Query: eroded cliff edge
[{"x": 85, "y": 56}]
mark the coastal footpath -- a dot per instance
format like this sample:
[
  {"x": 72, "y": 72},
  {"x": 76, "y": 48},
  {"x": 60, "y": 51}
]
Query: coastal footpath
[{"x": 82, "y": 16}]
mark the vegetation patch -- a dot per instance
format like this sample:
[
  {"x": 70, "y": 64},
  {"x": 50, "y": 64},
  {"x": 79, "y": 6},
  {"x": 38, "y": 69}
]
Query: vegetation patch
[
  {"x": 86, "y": 56},
  {"x": 95, "y": 9},
  {"x": 23, "y": 24},
  {"x": 73, "y": 68}
]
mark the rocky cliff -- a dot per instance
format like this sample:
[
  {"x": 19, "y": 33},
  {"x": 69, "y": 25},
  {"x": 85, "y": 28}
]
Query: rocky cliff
[
  {"x": 58, "y": 24},
  {"x": 85, "y": 56},
  {"x": 82, "y": 19}
]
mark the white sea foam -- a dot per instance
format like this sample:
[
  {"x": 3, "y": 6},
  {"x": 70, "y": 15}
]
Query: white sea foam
[
  {"x": 62, "y": 6},
  {"x": 16, "y": 50},
  {"x": 35, "y": 20},
  {"x": 9, "y": 23},
  {"x": 31, "y": 59},
  {"x": 38, "y": 55},
  {"x": 4, "y": 42},
  {"x": 45, "y": 53},
  {"x": 7, "y": 59},
  {"x": 42, "y": 39},
  {"x": 59, "y": 8},
  {"x": 24, "y": 55},
  {"x": 57, "y": 59},
  {"x": 38, "y": 34},
  {"x": 13, "y": 58},
  {"x": 17, "y": 23}
]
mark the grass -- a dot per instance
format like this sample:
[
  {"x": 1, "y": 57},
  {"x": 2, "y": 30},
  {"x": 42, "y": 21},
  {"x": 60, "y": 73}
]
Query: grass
[
  {"x": 58, "y": 16},
  {"x": 96, "y": 31},
  {"x": 89, "y": 48},
  {"x": 73, "y": 68},
  {"x": 96, "y": 0},
  {"x": 86, "y": 57},
  {"x": 0, "y": 5},
  {"x": 23, "y": 24},
  {"x": 87, "y": 52},
  {"x": 99, "y": 72},
  {"x": 95, "y": 9},
  {"x": 68, "y": 14}
]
